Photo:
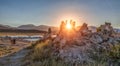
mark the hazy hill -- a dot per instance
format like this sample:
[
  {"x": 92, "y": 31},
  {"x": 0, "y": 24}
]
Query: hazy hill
[
  {"x": 5, "y": 27},
  {"x": 28, "y": 26},
  {"x": 40, "y": 27},
  {"x": 21, "y": 29},
  {"x": 92, "y": 28}
]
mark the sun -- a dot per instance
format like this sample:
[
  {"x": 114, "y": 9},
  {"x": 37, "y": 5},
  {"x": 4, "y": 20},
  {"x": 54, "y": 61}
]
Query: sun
[{"x": 68, "y": 26}]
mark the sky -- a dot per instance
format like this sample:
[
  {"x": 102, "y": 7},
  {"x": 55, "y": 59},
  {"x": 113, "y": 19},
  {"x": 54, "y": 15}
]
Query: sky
[{"x": 52, "y": 12}]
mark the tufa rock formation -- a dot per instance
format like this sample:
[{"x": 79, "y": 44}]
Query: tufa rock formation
[{"x": 76, "y": 49}]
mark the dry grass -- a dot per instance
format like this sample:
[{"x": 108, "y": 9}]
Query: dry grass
[
  {"x": 5, "y": 50},
  {"x": 42, "y": 55}
]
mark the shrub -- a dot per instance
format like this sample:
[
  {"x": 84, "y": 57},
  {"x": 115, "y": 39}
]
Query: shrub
[
  {"x": 114, "y": 54},
  {"x": 105, "y": 55}
]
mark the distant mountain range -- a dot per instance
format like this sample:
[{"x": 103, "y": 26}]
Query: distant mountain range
[
  {"x": 5, "y": 27},
  {"x": 43, "y": 27},
  {"x": 29, "y": 27},
  {"x": 40, "y": 27}
]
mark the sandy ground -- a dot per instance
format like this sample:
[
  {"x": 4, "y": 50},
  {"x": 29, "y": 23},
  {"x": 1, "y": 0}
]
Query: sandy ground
[{"x": 14, "y": 52}]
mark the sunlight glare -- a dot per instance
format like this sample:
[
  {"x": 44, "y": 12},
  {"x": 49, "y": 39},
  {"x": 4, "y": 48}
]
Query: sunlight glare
[{"x": 68, "y": 26}]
